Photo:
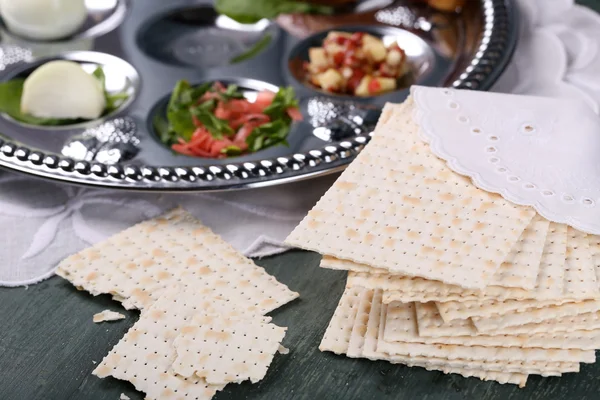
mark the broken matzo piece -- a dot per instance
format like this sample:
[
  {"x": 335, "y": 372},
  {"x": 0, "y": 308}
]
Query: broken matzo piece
[
  {"x": 145, "y": 354},
  {"x": 481, "y": 353},
  {"x": 454, "y": 310},
  {"x": 407, "y": 212},
  {"x": 175, "y": 249},
  {"x": 580, "y": 270},
  {"x": 359, "y": 329},
  {"x": 375, "y": 327},
  {"x": 532, "y": 316},
  {"x": 558, "y": 278},
  {"x": 582, "y": 322},
  {"x": 224, "y": 349},
  {"x": 432, "y": 329},
  {"x": 550, "y": 280},
  {"x": 594, "y": 241},
  {"x": 407, "y": 342},
  {"x": 337, "y": 335},
  {"x": 330, "y": 262},
  {"x": 107, "y": 315},
  {"x": 520, "y": 269},
  {"x": 374, "y": 333},
  {"x": 521, "y": 266}
]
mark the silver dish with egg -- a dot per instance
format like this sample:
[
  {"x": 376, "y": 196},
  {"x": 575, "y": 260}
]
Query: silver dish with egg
[{"x": 145, "y": 46}]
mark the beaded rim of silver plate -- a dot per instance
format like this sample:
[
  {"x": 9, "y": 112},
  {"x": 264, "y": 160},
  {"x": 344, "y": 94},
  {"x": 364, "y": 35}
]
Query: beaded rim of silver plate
[{"x": 112, "y": 152}]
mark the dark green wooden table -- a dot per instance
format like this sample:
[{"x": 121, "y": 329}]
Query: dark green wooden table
[{"x": 49, "y": 346}]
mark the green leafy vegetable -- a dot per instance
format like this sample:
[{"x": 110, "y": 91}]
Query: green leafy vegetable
[
  {"x": 113, "y": 100},
  {"x": 268, "y": 135},
  {"x": 161, "y": 127},
  {"x": 231, "y": 151},
  {"x": 232, "y": 92},
  {"x": 284, "y": 99},
  {"x": 184, "y": 95},
  {"x": 180, "y": 122},
  {"x": 252, "y": 11},
  {"x": 254, "y": 50},
  {"x": 217, "y": 127},
  {"x": 276, "y": 131}
]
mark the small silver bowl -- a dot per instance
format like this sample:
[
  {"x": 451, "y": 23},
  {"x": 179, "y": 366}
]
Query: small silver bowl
[
  {"x": 424, "y": 61},
  {"x": 120, "y": 77},
  {"x": 197, "y": 36},
  {"x": 325, "y": 121},
  {"x": 103, "y": 16}
]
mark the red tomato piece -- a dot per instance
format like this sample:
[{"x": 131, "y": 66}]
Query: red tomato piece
[
  {"x": 182, "y": 149},
  {"x": 264, "y": 97},
  {"x": 261, "y": 118},
  {"x": 219, "y": 145},
  {"x": 338, "y": 58},
  {"x": 374, "y": 86},
  {"x": 241, "y": 144},
  {"x": 245, "y": 131},
  {"x": 222, "y": 112},
  {"x": 294, "y": 114},
  {"x": 354, "y": 81},
  {"x": 357, "y": 37}
]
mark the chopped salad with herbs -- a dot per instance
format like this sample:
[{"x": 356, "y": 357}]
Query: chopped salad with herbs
[{"x": 217, "y": 121}]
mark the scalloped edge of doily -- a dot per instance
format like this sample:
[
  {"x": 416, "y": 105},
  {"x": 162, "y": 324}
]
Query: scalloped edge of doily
[{"x": 455, "y": 165}]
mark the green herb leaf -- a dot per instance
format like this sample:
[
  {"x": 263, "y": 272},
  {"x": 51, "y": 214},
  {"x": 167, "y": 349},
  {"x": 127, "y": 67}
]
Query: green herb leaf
[
  {"x": 179, "y": 116},
  {"x": 193, "y": 94},
  {"x": 230, "y": 151},
  {"x": 216, "y": 126},
  {"x": 181, "y": 123},
  {"x": 161, "y": 127},
  {"x": 113, "y": 100},
  {"x": 232, "y": 92},
  {"x": 209, "y": 105},
  {"x": 99, "y": 74},
  {"x": 254, "y": 50},
  {"x": 268, "y": 135},
  {"x": 284, "y": 99},
  {"x": 252, "y": 11}
]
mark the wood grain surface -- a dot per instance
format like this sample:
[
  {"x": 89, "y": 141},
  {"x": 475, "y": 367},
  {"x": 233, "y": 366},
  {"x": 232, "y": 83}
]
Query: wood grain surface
[{"x": 48, "y": 346}]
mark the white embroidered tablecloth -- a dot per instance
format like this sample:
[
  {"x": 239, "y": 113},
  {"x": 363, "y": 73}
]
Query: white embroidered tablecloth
[{"x": 41, "y": 222}]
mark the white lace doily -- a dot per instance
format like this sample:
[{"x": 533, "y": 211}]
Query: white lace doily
[
  {"x": 558, "y": 55},
  {"x": 534, "y": 151}
]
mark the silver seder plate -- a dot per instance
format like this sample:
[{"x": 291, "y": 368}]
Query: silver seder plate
[{"x": 146, "y": 46}]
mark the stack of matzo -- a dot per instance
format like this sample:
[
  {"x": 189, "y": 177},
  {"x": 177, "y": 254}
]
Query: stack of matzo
[
  {"x": 446, "y": 276},
  {"x": 202, "y": 323}
]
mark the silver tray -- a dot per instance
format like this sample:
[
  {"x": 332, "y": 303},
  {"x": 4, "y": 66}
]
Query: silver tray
[{"x": 148, "y": 45}]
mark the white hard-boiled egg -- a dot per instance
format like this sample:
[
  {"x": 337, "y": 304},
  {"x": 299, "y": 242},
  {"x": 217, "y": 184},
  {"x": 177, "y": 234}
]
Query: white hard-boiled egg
[
  {"x": 43, "y": 19},
  {"x": 63, "y": 90}
]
